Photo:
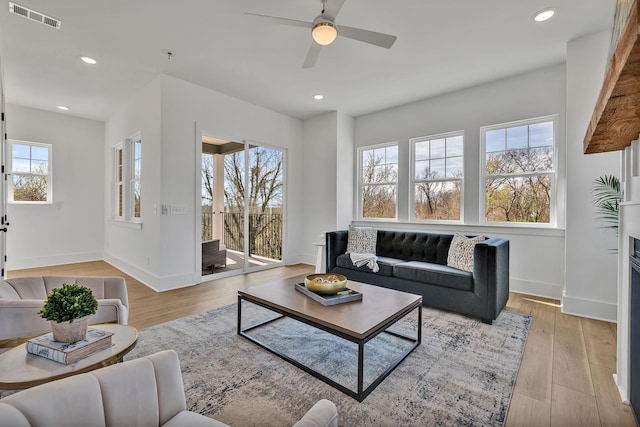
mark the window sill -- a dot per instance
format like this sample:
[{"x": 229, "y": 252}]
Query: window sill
[
  {"x": 137, "y": 225},
  {"x": 451, "y": 227}
]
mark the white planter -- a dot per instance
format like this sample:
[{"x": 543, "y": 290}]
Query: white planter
[{"x": 70, "y": 331}]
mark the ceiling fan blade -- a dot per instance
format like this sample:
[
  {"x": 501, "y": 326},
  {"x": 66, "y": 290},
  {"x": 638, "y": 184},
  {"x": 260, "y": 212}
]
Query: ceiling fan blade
[
  {"x": 284, "y": 21},
  {"x": 312, "y": 55},
  {"x": 333, "y": 7},
  {"x": 366, "y": 36}
]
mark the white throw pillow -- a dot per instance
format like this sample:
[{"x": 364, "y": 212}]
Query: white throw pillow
[
  {"x": 362, "y": 240},
  {"x": 461, "y": 252}
]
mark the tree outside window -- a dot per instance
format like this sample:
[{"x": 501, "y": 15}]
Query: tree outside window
[
  {"x": 519, "y": 172},
  {"x": 437, "y": 178},
  {"x": 30, "y": 172},
  {"x": 379, "y": 181}
]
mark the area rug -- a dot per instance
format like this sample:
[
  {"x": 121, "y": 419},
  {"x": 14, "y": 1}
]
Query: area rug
[{"x": 463, "y": 373}]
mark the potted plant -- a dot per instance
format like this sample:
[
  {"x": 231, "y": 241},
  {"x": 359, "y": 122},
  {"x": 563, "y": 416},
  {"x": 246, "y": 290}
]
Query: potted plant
[{"x": 68, "y": 308}]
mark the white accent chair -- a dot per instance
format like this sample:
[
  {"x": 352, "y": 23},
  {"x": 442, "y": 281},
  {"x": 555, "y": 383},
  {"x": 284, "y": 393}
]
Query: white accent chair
[
  {"x": 22, "y": 298},
  {"x": 142, "y": 392}
]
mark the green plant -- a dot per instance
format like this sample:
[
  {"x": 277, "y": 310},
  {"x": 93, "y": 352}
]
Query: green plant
[
  {"x": 607, "y": 196},
  {"x": 68, "y": 303}
]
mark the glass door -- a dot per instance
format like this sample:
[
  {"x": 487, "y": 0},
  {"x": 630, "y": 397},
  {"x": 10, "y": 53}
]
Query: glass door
[
  {"x": 242, "y": 207},
  {"x": 265, "y": 206}
]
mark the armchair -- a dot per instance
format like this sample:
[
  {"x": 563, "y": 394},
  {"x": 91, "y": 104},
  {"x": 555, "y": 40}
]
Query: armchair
[{"x": 22, "y": 298}]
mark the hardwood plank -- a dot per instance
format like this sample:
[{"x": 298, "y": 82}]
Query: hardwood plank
[
  {"x": 535, "y": 375},
  {"x": 573, "y": 408},
  {"x": 570, "y": 361},
  {"x": 610, "y": 407},
  {"x": 568, "y": 321},
  {"x": 600, "y": 343},
  {"x": 527, "y": 412},
  {"x": 544, "y": 317}
]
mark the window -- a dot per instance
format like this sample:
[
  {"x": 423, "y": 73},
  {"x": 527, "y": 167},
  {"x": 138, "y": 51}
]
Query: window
[
  {"x": 437, "y": 177},
  {"x": 518, "y": 171},
  {"x": 136, "y": 164},
  {"x": 119, "y": 174},
  {"x": 127, "y": 172},
  {"x": 378, "y": 181},
  {"x": 30, "y": 172}
]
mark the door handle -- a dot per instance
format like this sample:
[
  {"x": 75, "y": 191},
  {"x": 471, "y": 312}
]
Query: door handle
[{"x": 4, "y": 229}]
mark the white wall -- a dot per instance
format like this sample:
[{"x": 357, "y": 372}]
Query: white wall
[
  {"x": 71, "y": 229},
  {"x": 327, "y": 179},
  {"x": 135, "y": 249},
  {"x": 591, "y": 271},
  {"x": 172, "y": 115},
  {"x": 537, "y": 255}
]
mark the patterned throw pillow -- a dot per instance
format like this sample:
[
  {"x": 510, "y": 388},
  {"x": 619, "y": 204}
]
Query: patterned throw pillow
[
  {"x": 362, "y": 240},
  {"x": 461, "y": 252}
]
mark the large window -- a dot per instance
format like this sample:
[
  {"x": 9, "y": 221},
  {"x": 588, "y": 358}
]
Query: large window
[
  {"x": 437, "y": 177},
  {"x": 378, "y": 181},
  {"x": 30, "y": 172},
  {"x": 518, "y": 171},
  {"x": 127, "y": 172}
]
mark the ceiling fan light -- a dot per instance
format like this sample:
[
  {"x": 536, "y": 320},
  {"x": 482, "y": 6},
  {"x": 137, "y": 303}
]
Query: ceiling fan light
[{"x": 324, "y": 33}]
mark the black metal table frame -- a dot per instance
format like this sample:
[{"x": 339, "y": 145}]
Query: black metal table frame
[{"x": 362, "y": 393}]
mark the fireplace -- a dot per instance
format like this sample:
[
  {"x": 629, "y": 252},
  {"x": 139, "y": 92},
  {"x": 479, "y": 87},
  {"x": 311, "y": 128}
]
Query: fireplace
[{"x": 634, "y": 329}]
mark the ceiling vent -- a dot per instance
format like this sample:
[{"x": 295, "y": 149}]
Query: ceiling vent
[{"x": 43, "y": 19}]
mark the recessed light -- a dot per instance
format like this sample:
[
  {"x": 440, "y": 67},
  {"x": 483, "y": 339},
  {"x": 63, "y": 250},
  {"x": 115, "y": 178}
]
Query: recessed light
[
  {"x": 63, "y": 108},
  {"x": 318, "y": 97},
  {"x": 543, "y": 15},
  {"x": 88, "y": 60}
]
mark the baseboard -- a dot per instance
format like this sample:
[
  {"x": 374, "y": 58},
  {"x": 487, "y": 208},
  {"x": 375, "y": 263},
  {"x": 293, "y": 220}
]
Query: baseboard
[
  {"x": 592, "y": 309},
  {"x": 538, "y": 289},
  {"x": 45, "y": 261},
  {"x": 157, "y": 283}
]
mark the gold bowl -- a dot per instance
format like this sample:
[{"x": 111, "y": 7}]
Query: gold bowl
[{"x": 325, "y": 283}]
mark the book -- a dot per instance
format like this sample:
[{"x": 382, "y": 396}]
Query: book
[
  {"x": 347, "y": 295},
  {"x": 67, "y": 353}
]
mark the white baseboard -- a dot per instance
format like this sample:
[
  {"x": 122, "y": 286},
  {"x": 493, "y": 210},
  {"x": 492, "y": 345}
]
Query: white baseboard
[
  {"x": 14, "y": 263},
  {"x": 593, "y": 309},
  {"x": 539, "y": 289},
  {"x": 158, "y": 284}
]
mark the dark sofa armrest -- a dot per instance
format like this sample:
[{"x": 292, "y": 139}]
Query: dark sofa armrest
[
  {"x": 336, "y": 244},
  {"x": 491, "y": 274}
]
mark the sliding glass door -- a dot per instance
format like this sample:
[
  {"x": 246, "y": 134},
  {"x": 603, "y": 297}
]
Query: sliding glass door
[{"x": 242, "y": 206}]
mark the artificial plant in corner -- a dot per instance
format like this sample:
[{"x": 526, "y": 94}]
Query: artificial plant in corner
[{"x": 607, "y": 196}]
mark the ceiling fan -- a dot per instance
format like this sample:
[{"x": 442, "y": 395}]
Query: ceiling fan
[{"x": 324, "y": 31}]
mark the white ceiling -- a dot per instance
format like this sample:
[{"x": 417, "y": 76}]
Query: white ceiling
[{"x": 442, "y": 46}]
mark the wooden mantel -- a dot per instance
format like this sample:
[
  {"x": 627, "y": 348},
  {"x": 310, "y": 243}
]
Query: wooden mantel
[{"x": 616, "y": 118}]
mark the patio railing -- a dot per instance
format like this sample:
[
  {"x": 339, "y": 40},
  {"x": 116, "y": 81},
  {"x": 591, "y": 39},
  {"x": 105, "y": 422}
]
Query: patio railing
[{"x": 265, "y": 232}]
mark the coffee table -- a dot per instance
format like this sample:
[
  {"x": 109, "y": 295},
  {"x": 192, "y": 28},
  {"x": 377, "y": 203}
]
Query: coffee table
[
  {"x": 357, "y": 321},
  {"x": 19, "y": 369}
]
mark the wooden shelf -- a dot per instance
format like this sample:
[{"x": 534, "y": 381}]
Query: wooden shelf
[{"x": 616, "y": 118}]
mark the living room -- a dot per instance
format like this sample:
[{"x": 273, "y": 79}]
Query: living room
[{"x": 568, "y": 259}]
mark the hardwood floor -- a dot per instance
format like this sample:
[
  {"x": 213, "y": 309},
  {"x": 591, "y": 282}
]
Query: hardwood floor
[{"x": 565, "y": 378}]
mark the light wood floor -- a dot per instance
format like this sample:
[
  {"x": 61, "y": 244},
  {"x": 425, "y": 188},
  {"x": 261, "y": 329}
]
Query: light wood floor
[{"x": 565, "y": 378}]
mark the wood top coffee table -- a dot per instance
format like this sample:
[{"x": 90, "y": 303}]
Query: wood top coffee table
[
  {"x": 357, "y": 321},
  {"x": 19, "y": 369}
]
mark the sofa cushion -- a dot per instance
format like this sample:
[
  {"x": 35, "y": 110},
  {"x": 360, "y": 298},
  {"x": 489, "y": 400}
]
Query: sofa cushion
[
  {"x": 411, "y": 246},
  {"x": 362, "y": 240},
  {"x": 434, "y": 274},
  {"x": 461, "y": 251},
  {"x": 385, "y": 265}
]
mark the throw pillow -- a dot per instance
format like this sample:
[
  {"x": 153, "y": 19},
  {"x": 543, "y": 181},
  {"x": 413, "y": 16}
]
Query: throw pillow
[
  {"x": 362, "y": 240},
  {"x": 461, "y": 252}
]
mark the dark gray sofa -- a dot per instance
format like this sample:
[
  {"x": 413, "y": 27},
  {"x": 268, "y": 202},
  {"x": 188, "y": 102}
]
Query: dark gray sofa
[{"x": 417, "y": 263}]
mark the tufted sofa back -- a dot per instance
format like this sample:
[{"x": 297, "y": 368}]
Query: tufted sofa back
[{"x": 412, "y": 246}]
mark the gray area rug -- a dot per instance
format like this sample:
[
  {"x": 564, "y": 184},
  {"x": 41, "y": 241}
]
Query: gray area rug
[{"x": 463, "y": 373}]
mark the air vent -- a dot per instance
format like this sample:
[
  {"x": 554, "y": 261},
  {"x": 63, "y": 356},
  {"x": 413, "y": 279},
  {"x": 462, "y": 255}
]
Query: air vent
[{"x": 43, "y": 19}]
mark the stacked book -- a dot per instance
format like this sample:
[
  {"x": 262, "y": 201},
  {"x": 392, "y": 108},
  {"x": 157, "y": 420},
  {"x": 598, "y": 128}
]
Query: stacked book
[{"x": 67, "y": 353}]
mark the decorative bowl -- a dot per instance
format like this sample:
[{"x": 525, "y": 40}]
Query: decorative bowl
[{"x": 325, "y": 283}]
